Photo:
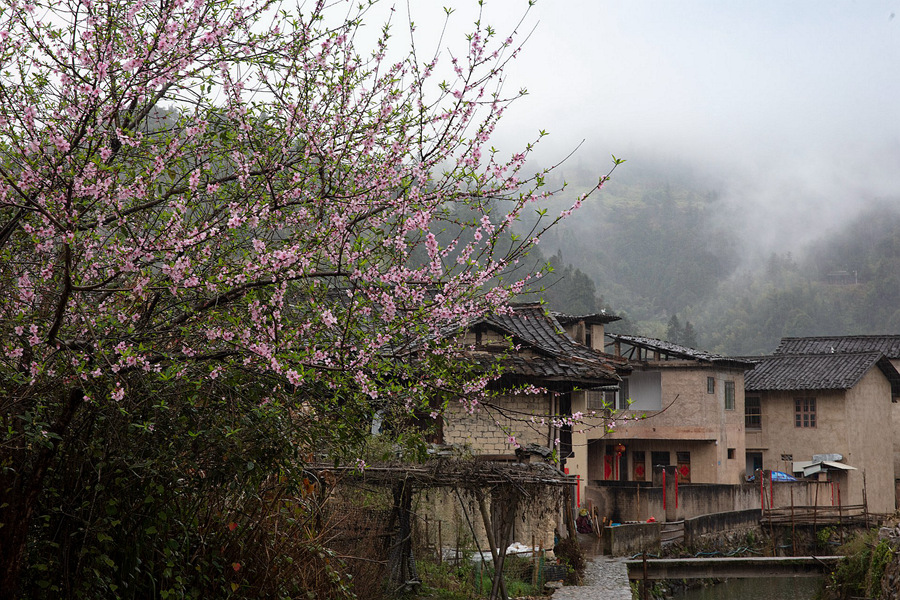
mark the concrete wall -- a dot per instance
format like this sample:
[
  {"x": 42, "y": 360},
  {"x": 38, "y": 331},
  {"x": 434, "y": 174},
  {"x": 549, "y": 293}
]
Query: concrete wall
[
  {"x": 895, "y": 428},
  {"x": 870, "y": 433},
  {"x": 632, "y": 538},
  {"x": 698, "y": 527},
  {"x": 626, "y": 502},
  {"x": 622, "y": 501},
  {"x": 628, "y": 540},
  {"x": 895, "y": 423}
]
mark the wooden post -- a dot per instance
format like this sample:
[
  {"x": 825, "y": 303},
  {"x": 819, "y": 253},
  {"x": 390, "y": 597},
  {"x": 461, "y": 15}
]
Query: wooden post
[
  {"x": 568, "y": 516},
  {"x": 495, "y": 550},
  {"x": 440, "y": 544},
  {"x": 458, "y": 540},
  {"x": 645, "y": 591},
  {"x": 793, "y": 531},
  {"x": 816, "y": 509},
  {"x": 841, "y": 519},
  {"x": 865, "y": 501},
  {"x": 541, "y": 562},
  {"x": 498, "y": 589},
  {"x": 534, "y": 563}
]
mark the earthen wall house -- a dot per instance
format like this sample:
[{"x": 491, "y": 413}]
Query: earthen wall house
[
  {"x": 832, "y": 403},
  {"x": 889, "y": 345}
]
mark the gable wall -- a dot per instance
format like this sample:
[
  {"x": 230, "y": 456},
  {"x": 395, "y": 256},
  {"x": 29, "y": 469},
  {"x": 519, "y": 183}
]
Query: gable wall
[
  {"x": 855, "y": 423},
  {"x": 895, "y": 419},
  {"x": 779, "y": 436},
  {"x": 870, "y": 433}
]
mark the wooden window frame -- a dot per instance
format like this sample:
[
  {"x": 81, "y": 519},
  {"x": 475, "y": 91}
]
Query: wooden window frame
[
  {"x": 729, "y": 395},
  {"x": 752, "y": 413},
  {"x": 805, "y": 413}
]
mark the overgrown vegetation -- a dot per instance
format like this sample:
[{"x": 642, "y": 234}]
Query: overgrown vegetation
[
  {"x": 468, "y": 580},
  {"x": 859, "y": 574}
]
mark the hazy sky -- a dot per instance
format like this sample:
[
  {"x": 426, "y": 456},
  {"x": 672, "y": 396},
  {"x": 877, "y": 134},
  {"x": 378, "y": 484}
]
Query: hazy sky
[{"x": 791, "y": 107}]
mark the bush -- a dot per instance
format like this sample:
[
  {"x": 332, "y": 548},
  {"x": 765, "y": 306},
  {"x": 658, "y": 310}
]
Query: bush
[
  {"x": 859, "y": 574},
  {"x": 571, "y": 555}
]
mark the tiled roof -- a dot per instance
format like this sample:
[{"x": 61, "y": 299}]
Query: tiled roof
[
  {"x": 679, "y": 351},
  {"x": 817, "y": 372},
  {"x": 584, "y": 373},
  {"x": 558, "y": 356},
  {"x": 889, "y": 345}
]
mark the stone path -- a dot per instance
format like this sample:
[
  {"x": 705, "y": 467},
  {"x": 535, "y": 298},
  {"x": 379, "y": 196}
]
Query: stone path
[{"x": 605, "y": 578}]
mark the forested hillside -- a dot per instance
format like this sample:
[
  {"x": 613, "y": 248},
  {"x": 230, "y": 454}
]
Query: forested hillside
[{"x": 654, "y": 246}]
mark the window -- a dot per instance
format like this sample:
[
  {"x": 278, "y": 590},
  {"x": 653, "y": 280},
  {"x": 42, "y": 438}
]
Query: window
[
  {"x": 754, "y": 462},
  {"x": 731, "y": 454},
  {"x": 600, "y": 400},
  {"x": 622, "y": 396},
  {"x": 644, "y": 390},
  {"x": 804, "y": 412},
  {"x": 596, "y": 400},
  {"x": 729, "y": 395},
  {"x": 659, "y": 458},
  {"x": 752, "y": 413},
  {"x": 710, "y": 385}
]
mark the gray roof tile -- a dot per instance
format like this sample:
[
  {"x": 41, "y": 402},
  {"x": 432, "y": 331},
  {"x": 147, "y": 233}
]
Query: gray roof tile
[
  {"x": 558, "y": 356},
  {"x": 680, "y": 351},
  {"x": 816, "y": 372},
  {"x": 889, "y": 345}
]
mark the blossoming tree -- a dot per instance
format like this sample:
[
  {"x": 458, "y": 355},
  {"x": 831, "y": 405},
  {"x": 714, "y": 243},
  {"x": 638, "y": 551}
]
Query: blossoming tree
[{"x": 198, "y": 194}]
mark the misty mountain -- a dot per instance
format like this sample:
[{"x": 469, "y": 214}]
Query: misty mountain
[{"x": 669, "y": 250}]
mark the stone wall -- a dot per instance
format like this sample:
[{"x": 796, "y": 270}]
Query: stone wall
[{"x": 492, "y": 431}]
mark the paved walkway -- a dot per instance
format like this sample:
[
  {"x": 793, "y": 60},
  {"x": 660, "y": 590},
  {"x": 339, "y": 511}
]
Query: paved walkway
[{"x": 605, "y": 578}]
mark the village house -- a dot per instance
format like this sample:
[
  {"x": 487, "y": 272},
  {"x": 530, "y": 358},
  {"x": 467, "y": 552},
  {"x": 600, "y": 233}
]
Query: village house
[
  {"x": 830, "y": 413},
  {"x": 678, "y": 407},
  {"x": 532, "y": 348},
  {"x": 889, "y": 345}
]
